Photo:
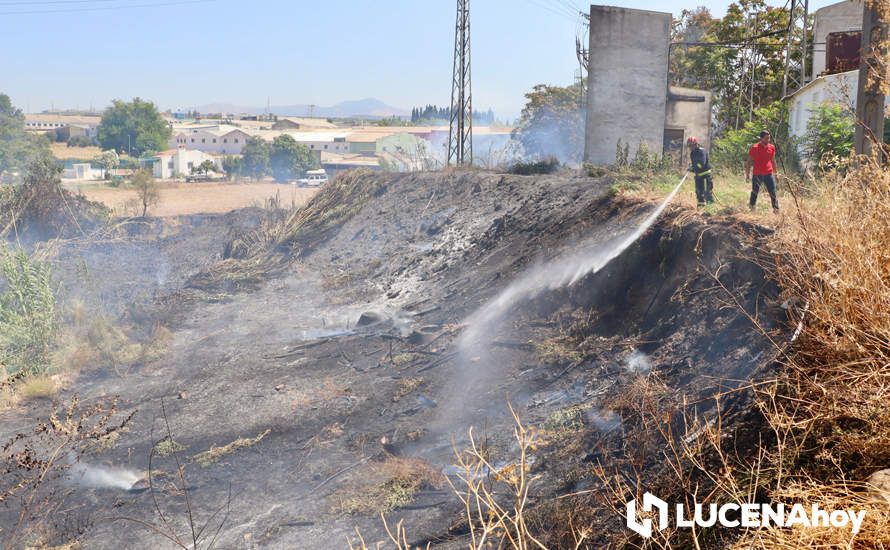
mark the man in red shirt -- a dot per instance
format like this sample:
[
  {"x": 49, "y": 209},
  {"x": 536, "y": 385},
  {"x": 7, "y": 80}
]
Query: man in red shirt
[{"x": 760, "y": 157}]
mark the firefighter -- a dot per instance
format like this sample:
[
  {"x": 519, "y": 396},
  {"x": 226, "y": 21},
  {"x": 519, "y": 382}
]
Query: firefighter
[{"x": 701, "y": 168}]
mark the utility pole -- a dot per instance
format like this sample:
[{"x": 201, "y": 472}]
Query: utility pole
[
  {"x": 583, "y": 67},
  {"x": 872, "y": 81},
  {"x": 460, "y": 130},
  {"x": 796, "y": 41}
]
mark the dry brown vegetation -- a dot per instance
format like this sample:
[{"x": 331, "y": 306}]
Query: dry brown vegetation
[
  {"x": 829, "y": 407},
  {"x": 31, "y": 461},
  {"x": 181, "y": 199}
]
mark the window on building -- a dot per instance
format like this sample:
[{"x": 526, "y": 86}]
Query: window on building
[
  {"x": 312, "y": 146},
  {"x": 225, "y": 140},
  {"x": 193, "y": 140},
  {"x": 214, "y": 140},
  {"x": 236, "y": 140},
  {"x": 203, "y": 140},
  {"x": 325, "y": 146}
]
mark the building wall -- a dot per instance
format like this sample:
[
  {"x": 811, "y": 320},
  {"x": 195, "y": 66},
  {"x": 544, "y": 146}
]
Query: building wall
[
  {"x": 627, "y": 81},
  {"x": 209, "y": 142},
  {"x": 687, "y": 118},
  {"x": 840, "y": 17},
  {"x": 836, "y": 88},
  {"x": 179, "y": 163}
]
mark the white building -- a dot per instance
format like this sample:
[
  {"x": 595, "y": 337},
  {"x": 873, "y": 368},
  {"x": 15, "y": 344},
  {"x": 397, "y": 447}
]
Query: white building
[
  {"x": 840, "y": 88},
  {"x": 82, "y": 171},
  {"x": 219, "y": 139},
  {"x": 178, "y": 162},
  {"x": 44, "y": 122},
  {"x": 830, "y": 84},
  {"x": 837, "y": 18}
]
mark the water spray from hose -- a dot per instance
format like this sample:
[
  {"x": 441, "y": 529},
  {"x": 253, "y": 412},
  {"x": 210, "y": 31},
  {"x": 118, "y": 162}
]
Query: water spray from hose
[{"x": 558, "y": 273}]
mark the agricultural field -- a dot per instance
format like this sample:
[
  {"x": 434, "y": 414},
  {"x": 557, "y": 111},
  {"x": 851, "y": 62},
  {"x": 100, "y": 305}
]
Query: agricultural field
[{"x": 199, "y": 198}]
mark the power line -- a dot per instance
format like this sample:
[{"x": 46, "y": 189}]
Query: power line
[
  {"x": 549, "y": 8},
  {"x": 555, "y": 4},
  {"x": 32, "y": 2},
  {"x": 107, "y": 8}
]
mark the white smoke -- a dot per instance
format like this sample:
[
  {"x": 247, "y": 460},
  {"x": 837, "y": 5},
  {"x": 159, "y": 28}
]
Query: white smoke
[
  {"x": 637, "y": 362},
  {"x": 102, "y": 477}
]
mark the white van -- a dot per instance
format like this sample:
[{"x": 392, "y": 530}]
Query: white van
[{"x": 314, "y": 178}]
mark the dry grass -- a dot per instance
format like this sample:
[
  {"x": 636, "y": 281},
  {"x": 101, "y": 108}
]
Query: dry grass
[
  {"x": 213, "y": 454},
  {"x": 829, "y": 407},
  {"x": 37, "y": 387},
  {"x": 388, "y": 485},
  {"x": 406, "y": 385},
  {"x": 62, "y": 152},
  {"x": 496, "y": 500},
  {"x": 201, "y": 198}
]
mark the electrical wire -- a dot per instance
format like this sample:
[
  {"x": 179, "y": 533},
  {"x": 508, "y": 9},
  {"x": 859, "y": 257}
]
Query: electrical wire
[
  {"x": 551, "y": 9},
  {"x": 108, "y": 8},
  {"x": 33, "y": 2}
]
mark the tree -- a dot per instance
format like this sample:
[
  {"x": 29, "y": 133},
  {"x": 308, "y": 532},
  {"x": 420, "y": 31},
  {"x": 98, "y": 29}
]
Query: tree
[
  {"x": 147, "y": 191},
  {"x": 135, "y": 128},
  {"x": 206, "y": 167},
  {"x": 108, "y": 160},
  {"x": 232, "y": 166},
  {"x": 731, "y": 149},
  {"x": 829, "y": 135},
  {"x": 552, "y": 123},
  {"x": 18, "y": 148},
  {"x": 722, "y": 66},
  {"x": 289, "y": 159},
  {"x": 255, "y": 157}
]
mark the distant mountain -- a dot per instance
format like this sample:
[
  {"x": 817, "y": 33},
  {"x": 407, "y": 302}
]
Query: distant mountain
[{"x": 368, "y": 107}]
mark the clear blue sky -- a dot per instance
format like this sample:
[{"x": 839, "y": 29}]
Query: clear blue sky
[{"x": 180, "y": 54}]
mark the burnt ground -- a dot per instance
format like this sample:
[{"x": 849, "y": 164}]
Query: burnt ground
[{"x": 340, "y": 401}]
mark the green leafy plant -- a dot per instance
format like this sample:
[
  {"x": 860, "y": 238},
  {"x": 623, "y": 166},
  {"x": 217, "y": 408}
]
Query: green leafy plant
[
  {"x": 28, "y": 317},
  {"x": 829, "y": 135},
  {"x": 731, "y": 150}
]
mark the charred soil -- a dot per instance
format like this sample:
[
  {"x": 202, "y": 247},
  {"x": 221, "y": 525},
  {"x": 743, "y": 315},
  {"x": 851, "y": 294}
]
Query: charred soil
[{"x": 335, "y": 387}]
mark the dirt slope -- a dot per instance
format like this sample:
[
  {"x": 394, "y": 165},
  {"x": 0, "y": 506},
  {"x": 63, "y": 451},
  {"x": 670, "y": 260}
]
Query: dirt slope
[{"x": 343, "y": 404}]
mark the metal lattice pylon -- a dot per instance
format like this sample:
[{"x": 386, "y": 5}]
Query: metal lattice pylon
[
  {"x": 796, "y": 47},
  {"x": 460, "y": 132}
]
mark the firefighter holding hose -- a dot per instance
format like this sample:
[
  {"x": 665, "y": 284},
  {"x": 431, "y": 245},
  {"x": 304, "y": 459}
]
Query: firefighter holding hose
[{"x": 701, "y": 168}]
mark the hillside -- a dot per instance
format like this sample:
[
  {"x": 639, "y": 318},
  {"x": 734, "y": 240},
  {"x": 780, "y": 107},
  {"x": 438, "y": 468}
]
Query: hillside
[{"x": 340, "y": 385}]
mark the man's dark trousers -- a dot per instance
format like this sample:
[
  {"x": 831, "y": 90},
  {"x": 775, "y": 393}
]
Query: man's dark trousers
[
  {"x": 704, "y": 189},
  {"x": 768, "y": 181}
]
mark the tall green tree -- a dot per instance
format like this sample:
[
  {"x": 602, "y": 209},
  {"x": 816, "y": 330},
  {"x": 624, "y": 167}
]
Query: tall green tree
[
  {"x": 552, "y": 123},
  {"x": 289, "y": 159},
  {"x": 18, "y": 148},
  {"x": 255, "y": 158},
  {"x": 134, "y": 127},
  {"x": 723, "y": 65}
]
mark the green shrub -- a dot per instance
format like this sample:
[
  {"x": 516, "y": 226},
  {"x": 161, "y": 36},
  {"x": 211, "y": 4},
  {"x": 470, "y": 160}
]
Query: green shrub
[
  {"x": 829, "y": 135},
  {"x": 731, "y": 149},
  {"x": 546, "y": 165},
  {"x": 28, "y": 320}
]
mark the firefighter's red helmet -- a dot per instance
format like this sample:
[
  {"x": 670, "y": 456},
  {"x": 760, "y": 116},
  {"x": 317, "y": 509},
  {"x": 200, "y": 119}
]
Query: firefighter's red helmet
[{"x": 692, "y": 140}]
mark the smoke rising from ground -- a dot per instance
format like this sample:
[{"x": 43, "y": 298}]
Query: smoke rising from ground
[{"x": 103, "y": 477}]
